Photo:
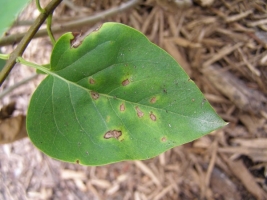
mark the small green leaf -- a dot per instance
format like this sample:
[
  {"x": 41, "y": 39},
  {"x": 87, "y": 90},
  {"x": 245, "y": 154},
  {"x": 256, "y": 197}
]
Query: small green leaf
[
  {"x": 115, "y": 97},
  {"x": 9, "y": 11}
]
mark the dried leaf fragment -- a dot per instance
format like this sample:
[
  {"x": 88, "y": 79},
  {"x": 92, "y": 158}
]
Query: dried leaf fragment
[{"x": 12, "y": 129}]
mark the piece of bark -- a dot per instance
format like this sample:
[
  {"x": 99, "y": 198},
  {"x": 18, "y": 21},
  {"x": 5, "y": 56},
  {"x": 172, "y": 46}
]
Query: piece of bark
[{"x": 246, "y": 99}]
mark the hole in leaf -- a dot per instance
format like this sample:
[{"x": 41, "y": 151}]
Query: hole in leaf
[
  {"x": 122, "y": 107},
  {"x": 139, "y": 112},
  {"x": 125, "y": 82},
  {"x": 75, "y": 42},
  {"x": 153, "y": 117},
  {"x": 112, "y": 134},
  {"x": 94, "y": 95},
  {"x": 153, "y": 100},
  {"x": 91, "y": 81},
  {"x": 77, "y": 161}
]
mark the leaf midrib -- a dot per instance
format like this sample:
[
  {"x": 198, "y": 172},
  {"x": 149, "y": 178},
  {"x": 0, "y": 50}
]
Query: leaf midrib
[{"x": 54, "y": 75}]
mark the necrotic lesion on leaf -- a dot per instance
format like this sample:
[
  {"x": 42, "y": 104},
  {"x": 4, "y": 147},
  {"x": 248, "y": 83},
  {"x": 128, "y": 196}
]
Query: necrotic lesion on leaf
[
  {"x": 113, "y": 134},
  {"x": 139, "y": 112},
  {"x": 125, "y": 82},
  {"x": 153, "y": 100},
  {"x": 94, "y": 95},
  {"x": 153, "y": 117},
  {"x": 91, "y": 81},
  {"x": 122, "y": 107}
]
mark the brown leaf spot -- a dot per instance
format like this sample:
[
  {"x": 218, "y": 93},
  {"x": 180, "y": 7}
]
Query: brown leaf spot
[
  {"x": 77, "y": 161},
  {"x": 153, "y": 100},
  {"x": 163, "y": 139},
  {"x": 94, "y": 95},
  {"x": 139, "y": 112},
  {"x": 153, "y": 117},
  {"x": 125, "y": 82},
  {"x": 91, "y": 81},
  {"x": 122, "y": 107},
  {"x": 112, "y": 134}
]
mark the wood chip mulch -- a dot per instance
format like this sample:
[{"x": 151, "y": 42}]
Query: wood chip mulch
[{"x": 222, "y": 46}]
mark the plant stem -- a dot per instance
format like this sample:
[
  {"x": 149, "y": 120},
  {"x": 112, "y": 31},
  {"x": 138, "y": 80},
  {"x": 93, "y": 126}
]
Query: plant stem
[
  {"x": 4, "y": 56},
  {"x": 49, "y": 31},
  {"x": 73, "y": 24},
  {"x": 39, "y": 7},
  {"x": 28, "y": 63},
  {"x": 27, "y": 38}
]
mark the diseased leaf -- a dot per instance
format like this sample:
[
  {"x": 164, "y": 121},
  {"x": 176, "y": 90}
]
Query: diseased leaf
[{"x": 115, "y": 97}]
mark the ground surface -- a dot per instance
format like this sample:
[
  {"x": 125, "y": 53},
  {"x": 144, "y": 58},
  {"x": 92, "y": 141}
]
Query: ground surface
[{"x": 223, "y": 49}]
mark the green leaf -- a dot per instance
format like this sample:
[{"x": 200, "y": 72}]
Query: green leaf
[
  {"x": 115, "y": 97},
  {"x": 9, "y": 11}
]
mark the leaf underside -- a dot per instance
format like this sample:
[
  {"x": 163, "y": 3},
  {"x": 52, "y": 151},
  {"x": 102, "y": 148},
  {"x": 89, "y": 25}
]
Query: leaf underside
[{"x": 116, "y": 96}]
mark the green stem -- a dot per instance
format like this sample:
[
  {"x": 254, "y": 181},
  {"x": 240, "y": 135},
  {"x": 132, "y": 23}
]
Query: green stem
[
  {"x": 4, "y": 56},
  {"x": 49, "y": 31},
  {"x": 39, "y": 7},
  {"x": 27, "y": 38},
  {"x": 31, "y": 64}
]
